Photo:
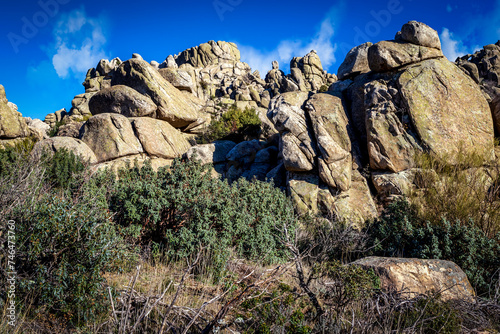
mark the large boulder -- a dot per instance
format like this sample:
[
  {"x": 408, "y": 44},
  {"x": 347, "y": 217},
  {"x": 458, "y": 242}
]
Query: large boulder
[
  {"x": 355, "y": 62},
  {"x": 55, "y": 144},
  {"x": 12, "y": 124},
  {"x": 175, "y": 107},
  {"x": 389, "y": 55},
  {"x": 420, "y": 34},
  {"x": 418, "y": 276},
  {"x": 159, "y": 138},
  {"x": 330, "y": 125},
  {"x": 110, "y": 136},
  {"x": 123, "y": 100},
  {"x": 448, "y": 110}
]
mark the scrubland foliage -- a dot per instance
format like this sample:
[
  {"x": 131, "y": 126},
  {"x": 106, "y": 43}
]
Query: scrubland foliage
[{"x": 234, "y": 257}]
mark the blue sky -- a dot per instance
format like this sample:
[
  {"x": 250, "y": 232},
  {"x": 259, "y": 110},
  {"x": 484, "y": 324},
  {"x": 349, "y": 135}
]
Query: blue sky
[{"x": 48, "y": 45}]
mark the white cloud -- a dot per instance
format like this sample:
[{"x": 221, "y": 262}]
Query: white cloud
[
  {"x": 79, "y": 44},
  {"x": 452, "y": 48},
  {"x": 287, "y": 49}
]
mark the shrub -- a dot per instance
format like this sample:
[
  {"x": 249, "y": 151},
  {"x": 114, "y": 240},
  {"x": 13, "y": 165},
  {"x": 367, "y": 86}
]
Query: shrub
[
  {"x": 234, "y": 124},
  {"x": 469, "y": 190},
  {"x": 400, "y": 232},
  {"x": 63, "y": 168},
  {"x": 184, "y": 208},
  {"x": 63, "y": 250},
  {"x": 428, "y": 315}
]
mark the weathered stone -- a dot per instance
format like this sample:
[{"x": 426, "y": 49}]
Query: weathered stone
[
  {"x": 355, "y": 205},
  {"x": 297, "y": 144},
  {"x": 211, "y": 153},
  {"x": 12, "y": 124},
  {"x": 294, "y": 158},
  {"x": 173, "y": 106},
  {"x": 304, "y": 188},
  {"x": 122, "y": 100},
  {"x": 178, "y": 78},
  {"x": 80, "y": 107},
  {"x": 418, "y": 276},
  {"x": 159, "y": 138},
  {"x": 244, "y": 152},
  {"x": 355, "y": 63},
  {"x": 70, "y": 130},
  {"x": 110, "y": 136},
  {"x": 211, "y": 53},
  {"x": 55, "y": 144},
  {"x": 40, "y": 128},
  {"x": 390, "y": 184},
  {"x": 449, "y": 112},
  {"x": 420, "y": 34},
  {"x": 390, "y": 55},
  {"x": 389, "y": 145},
  {"x": 133, "y": 160},
  {"x": 330, "y": 125}
]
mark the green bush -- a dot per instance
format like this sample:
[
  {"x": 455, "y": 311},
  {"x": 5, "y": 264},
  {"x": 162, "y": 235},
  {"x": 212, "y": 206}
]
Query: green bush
[
  {"x": 63, "y": 168},
  {"x": 184, "y": 208},
  {"x": 64, "y": 248},
  {"x": 234, "y": 124},
  {"x": 400, "y": 232},
  {"x": 279, "y": 311}
]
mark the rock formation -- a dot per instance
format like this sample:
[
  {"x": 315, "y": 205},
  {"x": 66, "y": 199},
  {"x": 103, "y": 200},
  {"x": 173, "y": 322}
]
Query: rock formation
[
  {"x": 416, "y": 276},
  {"x": 321, "y": 136}
]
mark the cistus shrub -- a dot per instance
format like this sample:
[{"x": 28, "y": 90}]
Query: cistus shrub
[
  {"x": 400, "y": 232},
  {"x": 184, "y": 208},
  {"x": 64, "y": 248},
  {"x": 234, "y": 124}
]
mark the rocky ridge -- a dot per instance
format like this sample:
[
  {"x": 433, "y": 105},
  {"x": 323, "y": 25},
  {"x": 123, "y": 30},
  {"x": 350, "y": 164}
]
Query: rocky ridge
[
  {"x": 394, "y": 99},
  {"x": 338, "y": 146}
]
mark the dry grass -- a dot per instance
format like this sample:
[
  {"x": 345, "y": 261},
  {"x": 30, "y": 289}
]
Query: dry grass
[{"x": 468, "y": 191}]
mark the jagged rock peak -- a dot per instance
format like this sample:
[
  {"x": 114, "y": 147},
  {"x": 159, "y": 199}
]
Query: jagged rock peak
[{"x": 210, "y": 53}]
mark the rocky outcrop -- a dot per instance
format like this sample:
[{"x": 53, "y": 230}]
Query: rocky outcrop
[
  {"x": 331, "y": 130},
  {"x": 12, "y": 124},
  {"x": 55, "y": 144},
  {"x": 390, "y": 55},
  {"x": 484, "y": 68},
  {"x": 121, "y": 100},
  {"x": 173, "y": 106},
  {"x": 110, "y": 136},
  {"x": 355, "y": 62},
  {"x": 297, "y": 139},
  {"x": 211, "y": 53},
  {"x": 416, "y": 276},
  {"x": 159, "y": 139},
  {"x": 449, "y": 112}
]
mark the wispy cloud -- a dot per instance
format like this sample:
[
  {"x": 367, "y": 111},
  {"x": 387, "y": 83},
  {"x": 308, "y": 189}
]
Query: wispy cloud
[
  {"x": 79, "y": 43},
  {"x": 287, "y": 49},
  {"x": 449, "y": 8},
  {"x": 452, "y": 48}
]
